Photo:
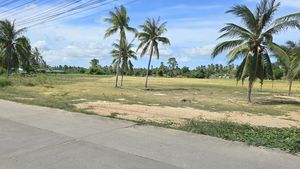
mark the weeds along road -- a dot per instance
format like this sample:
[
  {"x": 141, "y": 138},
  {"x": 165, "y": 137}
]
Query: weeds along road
[{"x": 34, "y": 137}]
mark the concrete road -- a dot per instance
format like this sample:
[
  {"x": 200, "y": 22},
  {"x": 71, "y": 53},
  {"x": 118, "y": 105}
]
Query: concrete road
[{"x": 42, "y": 138}]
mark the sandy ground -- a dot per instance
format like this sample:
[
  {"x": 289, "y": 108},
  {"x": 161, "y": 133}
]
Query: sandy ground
[
  {"x": 179, "y": 115},
  {"x": 295, "y": 98}
]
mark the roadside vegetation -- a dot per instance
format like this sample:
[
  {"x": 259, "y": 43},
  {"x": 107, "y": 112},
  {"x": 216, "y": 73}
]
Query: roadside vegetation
[
  {"x": 5, "y": 82},
  {"x": 286, "y": 139}
]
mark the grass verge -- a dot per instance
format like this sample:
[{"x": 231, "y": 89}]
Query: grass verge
[{"x": 286, "y": 139}]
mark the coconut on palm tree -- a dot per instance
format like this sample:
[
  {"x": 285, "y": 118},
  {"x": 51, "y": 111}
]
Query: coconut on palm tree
[
  {"x": 290, "y": 62},
  {"x": 151, "y": 36},
  {"x": 16, "y": 49},
  {"x": 119, "y": 21},
  {"x": 253, "y": 40},
  {"x": 122, "y": 57}
]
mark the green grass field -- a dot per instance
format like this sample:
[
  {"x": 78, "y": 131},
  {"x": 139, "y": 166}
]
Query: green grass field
[
  {"x": 62, "y": 91},
  {"x": 216, "y": 95}
]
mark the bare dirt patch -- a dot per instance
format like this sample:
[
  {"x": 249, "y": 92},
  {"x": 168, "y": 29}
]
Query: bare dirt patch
[
  {"x": 179, "y": 115},
  {"x": 295, "y": 98}
]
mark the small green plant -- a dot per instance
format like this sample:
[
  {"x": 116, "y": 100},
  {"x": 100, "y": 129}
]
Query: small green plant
[
  {"x": 5, "y": 82},
  {"x": 287, "y": 139}
]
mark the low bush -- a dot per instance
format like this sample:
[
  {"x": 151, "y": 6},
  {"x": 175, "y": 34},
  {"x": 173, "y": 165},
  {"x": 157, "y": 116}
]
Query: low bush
[
  {"x": 5, "y": 82},
  {"x": 287, "y": 139}
]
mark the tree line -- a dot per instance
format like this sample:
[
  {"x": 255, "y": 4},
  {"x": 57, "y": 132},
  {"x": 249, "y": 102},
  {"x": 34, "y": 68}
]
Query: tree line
[
  {"x": 170, "y": 69},
  {"x": 167, "y": 70}
]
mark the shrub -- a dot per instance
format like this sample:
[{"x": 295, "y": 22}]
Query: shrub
[
  {"x": 5, "y": 82},
  {"x": 2, "y": 70},
  {"x": 287, "y": 139}
]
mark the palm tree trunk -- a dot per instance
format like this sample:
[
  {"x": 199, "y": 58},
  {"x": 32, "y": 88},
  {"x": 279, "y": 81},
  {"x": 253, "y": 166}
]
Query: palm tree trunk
[
  {"x": 147, "y": 75},
  {"x": 250, "y": 86},
  {"x": 8, "y": 65},
  {"x": 117, "y": 75},
  {"x": 122, "y": 78},
  {"x": 290, "y": 87},
  {"x": 7, "y": 68}
]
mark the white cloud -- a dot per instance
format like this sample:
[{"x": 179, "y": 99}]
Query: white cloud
[
  {"x": 183, "y": 59},
  {"x": 165, "y": 51},
  {"x": 41, "y": 45},
  {"x": 77, "y": 53},
  {"x": 75, "y": 45},
  {"x": 287, "y": 3},
  {"x": 199, "y": 51},
  {"x": 290, "y": 3}
]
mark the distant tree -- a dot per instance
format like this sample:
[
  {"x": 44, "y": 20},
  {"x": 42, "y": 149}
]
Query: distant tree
[
  {"x": 185, "y": 71},
  {"x": 290, "y": 60},
  {"x": 162, "y": 69},
  {"x": 254, "y": 40},
  {"x": 173, "y": 66},
  {"x": 150, "y": 38},
  {"x": 37, "y": 60},
  {"x": 278, "y": 70},
  {"x": 95, "y": 67},
  {"x": 119, "y": 21},
  {"x": 94, "y": 63}
]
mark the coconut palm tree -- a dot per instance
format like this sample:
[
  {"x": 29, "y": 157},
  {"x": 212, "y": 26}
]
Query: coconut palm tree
[
  {"x": 125, "y": 51},
  {"x": 253, "y": 40},
  {"x": 119, "y": 21},
  {"x": 16, "y": 48},
  {"x": 150, "y": 38},
  {"x": 291, "y": 62},
  {"x": 37, "y": 60}
]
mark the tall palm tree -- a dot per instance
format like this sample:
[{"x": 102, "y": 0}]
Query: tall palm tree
[
  {"x": 125, "y": 51},
  {"x": 119, "y": 21},
  {"x": 253, "y": 41},
  {"x": 150, "y": 38},
  {"x": 291, "y": 62},
  {"x": 37, "y": 60},
  {"x": 15, "y": 47}
]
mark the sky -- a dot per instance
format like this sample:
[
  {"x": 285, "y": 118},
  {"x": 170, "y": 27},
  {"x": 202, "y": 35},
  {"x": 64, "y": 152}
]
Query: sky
[{"x": 193, "y": 27}]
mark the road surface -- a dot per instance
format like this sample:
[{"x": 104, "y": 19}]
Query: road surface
[{"x": 42, "y": 138}]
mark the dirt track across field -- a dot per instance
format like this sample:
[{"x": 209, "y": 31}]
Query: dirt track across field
[{"x": 179, "y": 115}]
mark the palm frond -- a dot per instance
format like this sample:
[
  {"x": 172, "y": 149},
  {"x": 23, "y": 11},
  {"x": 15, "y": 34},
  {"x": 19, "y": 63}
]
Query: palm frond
[
  {"x": 220, "y": 48},
  {"x": 283, "y": 26},
  {"x": 232, "y": 30},
  {"x": 294, "y": 16},
  {"x": 110, "y": 32},
  {"x": 247, "y": 16},
  {"x": 237, "y": 52},
  {"x": 164, "y": 40}
]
